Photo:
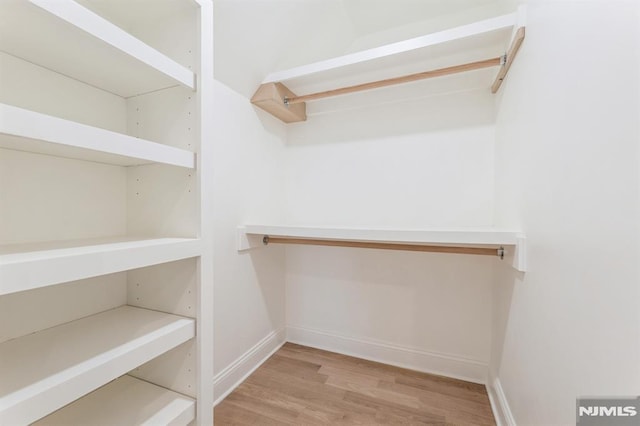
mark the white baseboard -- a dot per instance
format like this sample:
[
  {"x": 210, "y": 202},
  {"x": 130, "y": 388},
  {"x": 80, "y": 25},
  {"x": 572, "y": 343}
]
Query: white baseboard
[
  {"x": 231, "y": 377},
  {"x": 500, "y": 405},
  {"x": 411, "y": 358}
]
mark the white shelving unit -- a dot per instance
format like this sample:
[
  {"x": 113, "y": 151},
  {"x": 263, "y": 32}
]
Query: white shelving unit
[
  {"x": 460, "y": 46},
  {"x": 81, "y": 356},
  {"x": 104, "y": 168},
  {"x": 253, "y": 236}
]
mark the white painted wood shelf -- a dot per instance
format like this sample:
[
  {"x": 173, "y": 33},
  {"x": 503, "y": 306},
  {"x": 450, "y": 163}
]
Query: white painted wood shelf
[
  {"x": 33, "y": 265},
  {"x": 44, "y": 371},
  {"x": 252, "y": 236},
  {"x": 71, "y": 39},
  {"x": 126, "y": 401},
  {"x": 477, "y": 39},
  {"x": 465, "y": 44},
  {"x": 30, "y": 131},
  {"x": 470, "y": 236}
]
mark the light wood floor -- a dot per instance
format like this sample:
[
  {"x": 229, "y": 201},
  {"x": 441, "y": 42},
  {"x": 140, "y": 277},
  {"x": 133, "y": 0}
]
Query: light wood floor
[{"x": 305, "y": 386}]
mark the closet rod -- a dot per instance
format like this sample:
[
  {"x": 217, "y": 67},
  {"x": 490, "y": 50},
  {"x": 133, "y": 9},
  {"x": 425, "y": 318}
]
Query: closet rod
[
  {"x": 387, "y": 246},
  {"x": 494, "y": 62}
]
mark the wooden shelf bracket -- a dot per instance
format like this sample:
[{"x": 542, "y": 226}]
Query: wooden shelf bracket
[{"x": 508, "y": 58}]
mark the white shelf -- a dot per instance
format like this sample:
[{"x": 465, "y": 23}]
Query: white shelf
[
  {"x": 72, "y": 40},
  {"x": 34, "y": 265},
  {"x": 250, "y": 236},
  {"x": 471, "y": 236},
  {"x": 25, "y": 130},
  {"x": 44, "y": 371},
  {"x": 126, "y": 401},
  {"x": 467, "y": 43}
]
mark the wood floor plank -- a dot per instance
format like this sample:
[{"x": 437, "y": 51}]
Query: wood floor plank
[
  {"x": 330, "y": 359},
  {"x": 376, "y": 392},
  {"x": 349, "y": 376},
  {"x": 228, "y": 413},
  {"x": 301, "y": 369},
  {"x": 305, "y": 386},
  {"x": 469, "y": 412},
  {"x": 295, "y": 386},
  {"x": 263, "y": 407},
  {"x": 467, "y": 392},
  {"x": 276, "y": 401},
  {"x": 444, "y": 400},
  {"x": 384, "y": 406}
]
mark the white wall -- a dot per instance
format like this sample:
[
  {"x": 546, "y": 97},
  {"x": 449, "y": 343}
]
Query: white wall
[
  {"x": 565, "y": 170},
  {"x": 249, "y": 287},
  {"x": 255, "y": 37},
  {"x": 567, "y": 173},
  {"x": 416, "y": 164},
  {"x": 426, "y": 162}
]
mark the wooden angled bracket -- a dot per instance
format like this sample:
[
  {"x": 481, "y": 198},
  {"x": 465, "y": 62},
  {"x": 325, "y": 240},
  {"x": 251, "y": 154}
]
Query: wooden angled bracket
[
  {"x": 272, "y": 97},
  {"x": 508, "y": 59}
]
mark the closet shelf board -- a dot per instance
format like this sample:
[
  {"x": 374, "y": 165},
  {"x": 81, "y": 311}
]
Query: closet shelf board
[
  {"x": 70, "y": 39},
  {"x": 44, "y": 371},
  {"x": 463, "y": 241},
  {"x": 33, "y": 265},
  {"x": 462, "y": 58},
  {"x": 490, "y": 34},
  {"x": 30, "y": 131},
  {"x": 472, "y": 236},
  {"x": 126, "y": 400}
]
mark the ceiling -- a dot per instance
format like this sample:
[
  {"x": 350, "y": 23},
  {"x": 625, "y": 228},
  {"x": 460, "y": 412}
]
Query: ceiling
[
  {"x": 256, "y": 37},
  {"x": 370, "y": 16}
]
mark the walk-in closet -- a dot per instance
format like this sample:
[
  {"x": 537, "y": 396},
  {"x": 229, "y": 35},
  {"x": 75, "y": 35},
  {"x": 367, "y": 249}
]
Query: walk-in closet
[{"x": 319, "y": 212}]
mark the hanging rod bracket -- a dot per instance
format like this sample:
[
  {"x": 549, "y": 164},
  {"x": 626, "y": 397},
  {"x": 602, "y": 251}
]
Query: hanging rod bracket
[
  {"x": 507, "y": 59},
  {"x": 276, "y": 99},
  {"x": 501, "y": 252},
  {"x": 265, "y": 240}
]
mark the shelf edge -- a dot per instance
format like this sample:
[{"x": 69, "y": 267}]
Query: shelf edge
[
  {"x": 464, "y": 31},
  {"x": 56, "y": 267},
  {"x": 251, "y": 236},
  {"x": 27, "y": 124},
  {"x": 100, "y": 28}
]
